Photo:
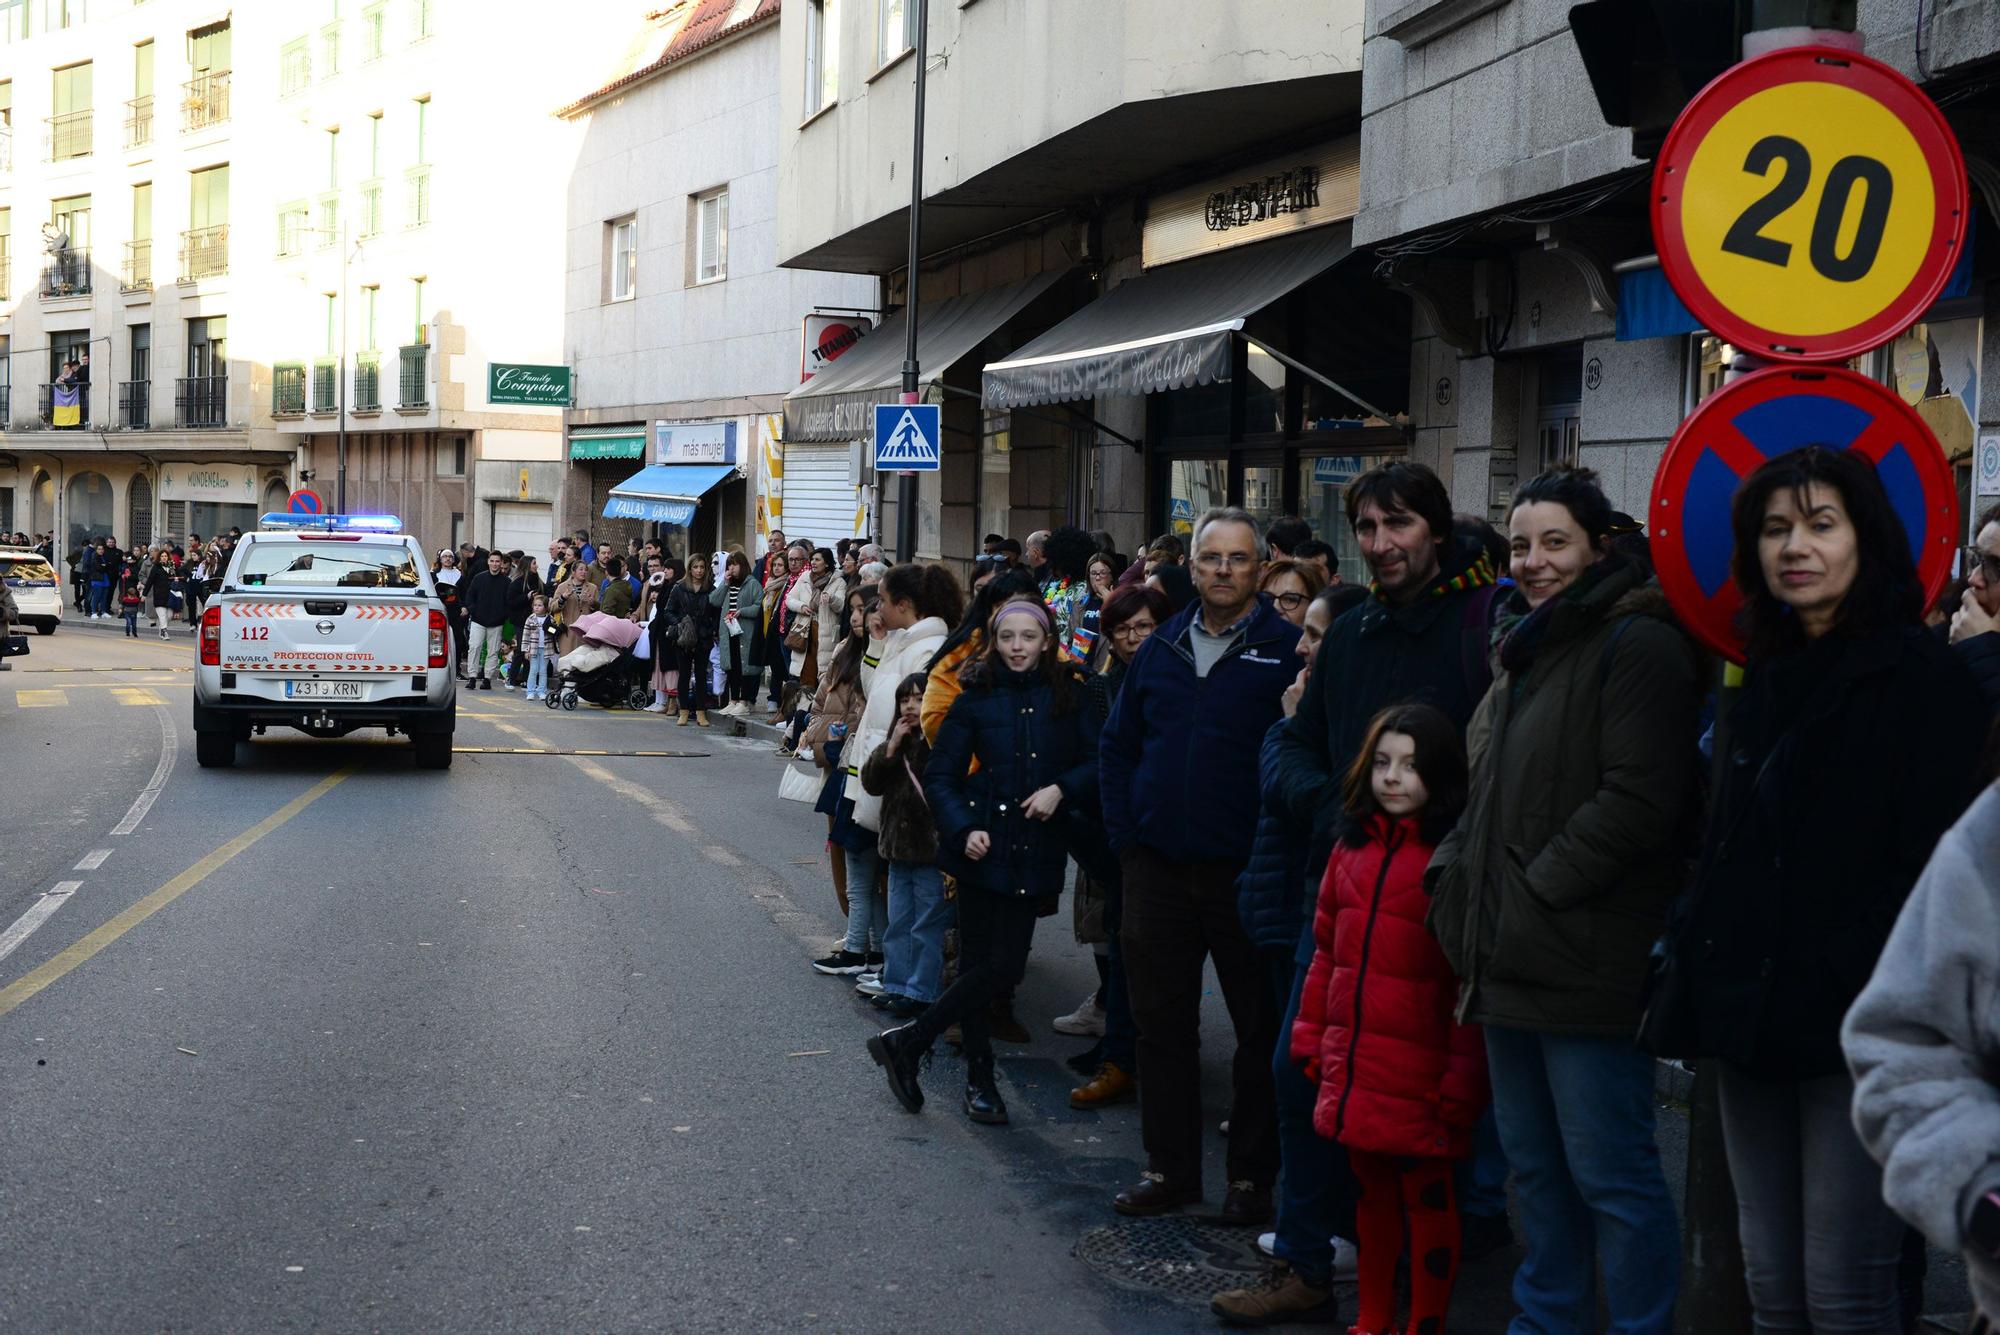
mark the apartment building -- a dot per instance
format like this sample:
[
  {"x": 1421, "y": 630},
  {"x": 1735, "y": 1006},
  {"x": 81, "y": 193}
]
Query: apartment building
[
  {"x": 120, "y": 129},
  {"x": 412, "y": 228},
  {"x": 274, "y": 229},
  {"x": 683, "y": 332},
  {"x": 1497, "y": 196},
  {"x": 1139, "y": 295}
]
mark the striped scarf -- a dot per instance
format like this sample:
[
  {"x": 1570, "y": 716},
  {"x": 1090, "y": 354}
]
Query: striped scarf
[{"x": 1475, "y": 576}]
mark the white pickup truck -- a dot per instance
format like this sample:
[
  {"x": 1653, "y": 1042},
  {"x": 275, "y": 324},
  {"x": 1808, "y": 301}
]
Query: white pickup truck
[{"x": 325, "y": 624}]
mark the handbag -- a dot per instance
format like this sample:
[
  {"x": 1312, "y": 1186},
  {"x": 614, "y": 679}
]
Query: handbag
[
  {"x": 797, "y": 785},
  {"x": 687, "y": 635},
  {"x": 13, "y": 646},
  {"x": 799, "y": 635}
]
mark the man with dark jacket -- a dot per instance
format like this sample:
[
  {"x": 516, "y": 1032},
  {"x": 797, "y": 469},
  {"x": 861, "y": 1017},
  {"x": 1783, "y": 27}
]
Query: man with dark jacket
[
  {"x": 1179, "y": 788},
  {"x": 485, "y": 599},
  {"x": 1421, "y": 634},
  {"x": 1975, "y": 623}
]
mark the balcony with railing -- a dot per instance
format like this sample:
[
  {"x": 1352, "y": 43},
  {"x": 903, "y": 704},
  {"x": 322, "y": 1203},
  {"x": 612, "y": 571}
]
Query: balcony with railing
[
  {"x": 326, "y": 384},
  {"x": 135, "y": 404},
  {"x": 413, "y": 388},
  {"x": 205, "y": 100},
  {"x": 139, "y": 122},
  {"x": 67, "y": 274},
  {"x": 138, "y": 272},
  {"x": 417, "y": 181},
  {"x": 201, "y": 400},
  {"x": 69, "y": 135},
  {"x": 288, "y": 390},
  {"x": 367, "y": 384},
  {"x": 204, "y": 253},
  {"x": 82, "y": 407}
]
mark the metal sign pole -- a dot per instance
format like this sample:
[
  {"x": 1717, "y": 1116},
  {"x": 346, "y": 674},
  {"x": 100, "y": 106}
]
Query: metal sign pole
[{"x": 906, "y": 485}]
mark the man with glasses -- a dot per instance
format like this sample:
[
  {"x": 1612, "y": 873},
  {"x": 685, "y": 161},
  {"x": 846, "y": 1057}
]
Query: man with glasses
[
  {"x": 1975, "y": 623},
  {"x": 1178, "y": 766}
]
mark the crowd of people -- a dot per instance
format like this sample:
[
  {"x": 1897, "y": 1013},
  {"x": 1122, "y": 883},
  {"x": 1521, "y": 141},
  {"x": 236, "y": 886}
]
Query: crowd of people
[
  {"x": 1448, "y": 841},
  {"x": 156, "y": 585}
]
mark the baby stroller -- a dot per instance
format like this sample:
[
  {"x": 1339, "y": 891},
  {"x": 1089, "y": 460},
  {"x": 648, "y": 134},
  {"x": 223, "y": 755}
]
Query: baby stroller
[{"x": 603, "y": 669}]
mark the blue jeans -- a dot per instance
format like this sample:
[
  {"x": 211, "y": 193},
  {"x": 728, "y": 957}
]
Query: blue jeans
[
  {"x": 1316, "y": 1190},
  {"x": 100, "y": 599},
  {"x": 913, "y": 944},
  {"x": 1576, "y": 1117},
  {"x": 1482, "y": 1176},
  {"x": 867, "y": 916},
  {"x": 538, "y": 673}
]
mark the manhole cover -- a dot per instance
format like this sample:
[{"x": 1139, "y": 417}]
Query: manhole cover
[{"x": 1174, "y": 1254}]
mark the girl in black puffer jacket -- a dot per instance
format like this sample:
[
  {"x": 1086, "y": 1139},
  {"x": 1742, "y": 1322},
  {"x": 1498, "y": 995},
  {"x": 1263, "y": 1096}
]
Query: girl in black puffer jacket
[{"x": 1025, "y": 718}]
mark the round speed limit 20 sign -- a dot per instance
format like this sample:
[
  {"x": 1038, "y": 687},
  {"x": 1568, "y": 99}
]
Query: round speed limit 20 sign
[{"x": 1809, "y": 204}]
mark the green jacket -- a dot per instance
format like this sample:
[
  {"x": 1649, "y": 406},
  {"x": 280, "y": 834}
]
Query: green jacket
[{"x": 1550, "y": 893}]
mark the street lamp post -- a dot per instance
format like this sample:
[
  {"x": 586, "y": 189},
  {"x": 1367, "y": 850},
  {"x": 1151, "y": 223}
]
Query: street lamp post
[
  {"x": 906, "y": 490},
  {"x": 340, "y": 371}
]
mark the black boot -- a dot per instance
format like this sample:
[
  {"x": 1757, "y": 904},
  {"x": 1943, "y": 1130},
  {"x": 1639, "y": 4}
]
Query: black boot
[
  {"x": 896, "y": 1053},
  {"x": 982, "y": 1096}
]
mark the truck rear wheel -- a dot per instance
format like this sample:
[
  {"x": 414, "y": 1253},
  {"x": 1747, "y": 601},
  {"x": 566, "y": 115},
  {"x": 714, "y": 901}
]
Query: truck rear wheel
[
  {"x": 215, "y": 749},
  {"x": 433, "y": 750}
]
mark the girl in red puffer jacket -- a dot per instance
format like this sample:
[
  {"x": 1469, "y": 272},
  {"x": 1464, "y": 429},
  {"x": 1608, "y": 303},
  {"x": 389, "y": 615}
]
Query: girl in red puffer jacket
[{"x": 1400, "y": 1083}]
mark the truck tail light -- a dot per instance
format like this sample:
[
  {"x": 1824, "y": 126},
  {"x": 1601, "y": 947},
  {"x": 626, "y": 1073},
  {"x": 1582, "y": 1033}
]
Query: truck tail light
[
  {"x": 211, "y": 637},
  {"x": 438, "y": 640}
]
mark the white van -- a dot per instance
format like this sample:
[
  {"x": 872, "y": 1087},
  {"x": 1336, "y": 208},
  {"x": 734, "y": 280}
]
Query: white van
[{"x": 37, "y": 591}]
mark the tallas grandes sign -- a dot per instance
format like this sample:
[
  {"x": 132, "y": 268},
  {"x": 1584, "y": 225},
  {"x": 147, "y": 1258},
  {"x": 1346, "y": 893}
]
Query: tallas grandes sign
[{"x": 511, "y": 382}]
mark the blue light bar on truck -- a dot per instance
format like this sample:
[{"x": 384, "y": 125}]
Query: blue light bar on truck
[{"x": 292, "y": 523}]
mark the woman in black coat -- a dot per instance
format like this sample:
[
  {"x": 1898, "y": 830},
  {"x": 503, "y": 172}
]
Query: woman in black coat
[
  {"x": 1025, "y": 716},
  {"x": 1852, "y": 749},
  {"x": 689, "y": 604}
]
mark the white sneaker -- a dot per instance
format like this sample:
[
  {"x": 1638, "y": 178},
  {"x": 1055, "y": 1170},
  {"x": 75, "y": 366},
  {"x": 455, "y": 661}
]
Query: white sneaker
[
  {"x": 506, "y": 685},
  {"x": 870, "y": 985},
  {"x": 1346, "y": 1257},
  {"x": 657, "y": 707},
  {"x": 1086, "y": 1021}
]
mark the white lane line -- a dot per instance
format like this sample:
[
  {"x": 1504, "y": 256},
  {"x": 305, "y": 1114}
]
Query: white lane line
[
  {"x": 170, "y": 745},
  {"x": 38, "y": 913},
  {"x": 93, "y": 860}
]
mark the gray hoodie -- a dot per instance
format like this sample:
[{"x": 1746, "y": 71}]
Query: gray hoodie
[{"x": 1923, "y": 1040}]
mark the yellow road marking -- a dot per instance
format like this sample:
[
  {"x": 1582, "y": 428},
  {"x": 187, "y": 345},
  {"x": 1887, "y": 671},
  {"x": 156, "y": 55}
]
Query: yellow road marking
[
  {"x": 54, "y": 970},
  {"x": 135, "y": 695},
  {"x": 40, "y": 699}
]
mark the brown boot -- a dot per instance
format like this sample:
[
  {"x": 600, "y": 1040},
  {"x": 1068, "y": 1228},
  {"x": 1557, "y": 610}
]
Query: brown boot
[
  {"x": 685, "y": 719},
  {"x": 1000, "y": 1022},
  {"x": 1282, "y": 1298},
  {"x": 701, "y": 718},
  {"x": 1112, "y": 1084}
]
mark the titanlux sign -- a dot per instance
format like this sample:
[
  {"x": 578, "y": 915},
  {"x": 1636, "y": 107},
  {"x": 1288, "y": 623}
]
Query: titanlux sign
[
  {"x": 823, "y": 338},
  {"x": 547, "y": 386}
]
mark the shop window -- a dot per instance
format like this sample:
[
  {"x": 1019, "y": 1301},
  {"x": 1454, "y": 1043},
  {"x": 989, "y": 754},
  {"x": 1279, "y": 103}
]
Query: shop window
[
  {"x": 1322, "y": 503},
  {"x": 1264, "y": 492},
  {"x": 1200, "y": 412},
  {"x": 996, "y": 461},
  {"x": 1263, "y": 393},
  {"x": 1193, "y": 485}
]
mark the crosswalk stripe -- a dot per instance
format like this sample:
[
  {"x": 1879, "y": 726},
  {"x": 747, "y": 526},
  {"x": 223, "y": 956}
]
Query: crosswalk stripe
[
  {"x": 135, "y": 695},
  {"x": 41, "y": 699}
]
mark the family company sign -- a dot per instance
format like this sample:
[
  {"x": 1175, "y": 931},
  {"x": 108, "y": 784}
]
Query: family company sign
[{"x": 543, "y": 386}]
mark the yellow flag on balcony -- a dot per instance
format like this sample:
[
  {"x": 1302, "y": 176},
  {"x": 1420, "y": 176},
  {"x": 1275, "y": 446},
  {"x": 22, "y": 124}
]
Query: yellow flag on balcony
[{"x": 65, "y": 409}]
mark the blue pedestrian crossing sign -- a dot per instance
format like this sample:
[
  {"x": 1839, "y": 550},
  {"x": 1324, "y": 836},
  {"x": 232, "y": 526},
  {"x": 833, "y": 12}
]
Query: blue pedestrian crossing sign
[{"x": 907, "y": 438}]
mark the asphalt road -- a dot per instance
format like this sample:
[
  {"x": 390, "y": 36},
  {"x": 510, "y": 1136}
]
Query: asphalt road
[{"x": 328, "y": 1042}]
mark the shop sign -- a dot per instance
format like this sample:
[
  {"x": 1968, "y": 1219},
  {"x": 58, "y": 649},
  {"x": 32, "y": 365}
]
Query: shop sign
[
  {"x": 694, "y": 443},
  {"x": 542, "y": 386},
  {"x": 823, "y": 338},
  {"x": 1986, "y": 477},
  {"x": 1276, "y": 198},
  {"x": 629, "y": 446},
  {"x": 1336, "y": 470},
  {"x": 221, "y": 484}
]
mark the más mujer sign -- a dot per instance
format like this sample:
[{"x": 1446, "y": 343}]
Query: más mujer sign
[{"x": 513, "y": 382}]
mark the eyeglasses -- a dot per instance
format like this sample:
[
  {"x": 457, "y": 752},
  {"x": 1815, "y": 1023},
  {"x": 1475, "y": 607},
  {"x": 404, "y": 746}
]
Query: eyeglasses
[
  {"x": 1289, "y": 602},
  {"x": 1134, "y": 630},
  {"x": 1985, "y": 562},
  {"x": 1213, "y": 561}
]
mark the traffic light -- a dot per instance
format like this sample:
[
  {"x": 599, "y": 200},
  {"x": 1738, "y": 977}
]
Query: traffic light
[{"x": 1647, "y": 58}]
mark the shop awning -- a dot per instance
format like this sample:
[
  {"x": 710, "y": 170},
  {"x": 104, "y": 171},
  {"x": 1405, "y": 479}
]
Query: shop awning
[
  {"x": 839, "y": 402},
  {"x": 664, "y": 493},
  {"x": 1167, "y": 329},
  {"x": 626, "y": 443}
]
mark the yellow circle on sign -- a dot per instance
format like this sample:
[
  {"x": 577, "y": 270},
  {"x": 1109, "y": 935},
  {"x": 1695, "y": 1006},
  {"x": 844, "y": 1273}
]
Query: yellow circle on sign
[{"x": 1751, "y": 234}]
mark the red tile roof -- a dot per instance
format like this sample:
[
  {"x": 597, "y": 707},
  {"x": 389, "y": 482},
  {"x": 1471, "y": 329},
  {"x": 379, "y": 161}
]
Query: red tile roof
[{"x": 677, "y": 33}]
